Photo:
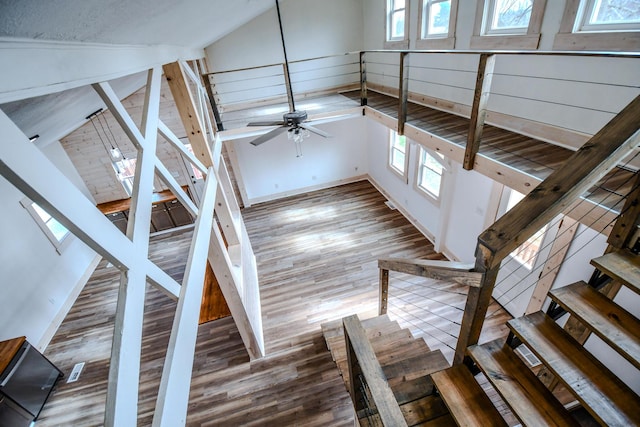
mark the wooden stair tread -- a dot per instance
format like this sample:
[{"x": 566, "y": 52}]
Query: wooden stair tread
[
  {"x": 528, "y": 398},
  {"x": 623, "y": 266},
  {"x": 607, "y": 398},
  {"x": 465, "y": 399},
  {"x": 429, "y": 411},
  {"x": 410, "y": 379},
  {"x": 613, "y": 324}
]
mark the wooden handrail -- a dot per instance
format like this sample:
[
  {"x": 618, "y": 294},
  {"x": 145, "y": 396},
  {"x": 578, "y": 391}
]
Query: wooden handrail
[
  {"x": 362, "y": 361},
  {"x": 565, "y": 185},
  {"x": 458, "y": 272}
]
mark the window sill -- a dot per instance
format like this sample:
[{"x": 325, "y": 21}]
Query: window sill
[
  {"x": 610, "y": 41},
  {"x": 444, "y": 43},
  {"x": 396, "y": 44},
  {"x": 397, "y": 173},
  {"x": 506, "y": 42}
]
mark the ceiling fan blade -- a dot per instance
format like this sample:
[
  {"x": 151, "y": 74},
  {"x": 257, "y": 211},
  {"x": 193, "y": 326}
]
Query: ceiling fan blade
[
  {"x": 267, "y": 136},
  {"x": 279, "y": 123},
  {"x": 315, "y": 130}
]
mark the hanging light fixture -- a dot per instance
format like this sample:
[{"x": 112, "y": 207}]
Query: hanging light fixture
[
  {"x": 297, "y": 135},
  {"x": 114, "y": 152}
]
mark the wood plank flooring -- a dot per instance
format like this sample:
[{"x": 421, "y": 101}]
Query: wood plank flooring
[{"x": 316, "y": 256}]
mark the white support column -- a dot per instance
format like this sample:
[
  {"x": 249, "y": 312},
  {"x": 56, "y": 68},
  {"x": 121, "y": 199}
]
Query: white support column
[
  {"x": 173, "y": 140},
  {"x": 124, "y": 369},
  {"x": 173, "y": 396}
]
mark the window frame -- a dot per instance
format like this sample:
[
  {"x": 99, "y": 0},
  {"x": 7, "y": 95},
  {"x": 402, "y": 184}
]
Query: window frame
[
  {"x": 59, "y": 245},
  {"x": 443, "y": 41},
  {"x": 529, "y": 40},
  {"x": 539, "y": 235},
  {"x": 393, "y": 135},
  {"x": 419, "y": 170},
  {"x": 613, "y": 41},
  {"x": 396, "y": 43}
]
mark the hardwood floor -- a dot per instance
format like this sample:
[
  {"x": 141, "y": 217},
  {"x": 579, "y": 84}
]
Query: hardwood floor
[{"x": 316, "y": 256}]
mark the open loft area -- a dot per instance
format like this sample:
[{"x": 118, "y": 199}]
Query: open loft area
[{"x": 195, "y": 213}]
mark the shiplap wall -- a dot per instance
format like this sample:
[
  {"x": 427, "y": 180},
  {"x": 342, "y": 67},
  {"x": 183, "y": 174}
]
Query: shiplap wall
[{"x": 93, "y": 163}]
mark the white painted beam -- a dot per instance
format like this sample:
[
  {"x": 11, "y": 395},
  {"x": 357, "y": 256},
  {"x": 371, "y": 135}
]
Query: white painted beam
[
  {"x": 176, "y": 189},
  {"x": 124, "y": 368},
  {"x": 173, "y": 395},
  {"x": 173, "y": 140},
  {"x": 38, "y": 67}
]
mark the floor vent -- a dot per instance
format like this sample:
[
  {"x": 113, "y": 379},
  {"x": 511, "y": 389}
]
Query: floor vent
[
  {"x": 75, "y": 372},
  {"x": 390, "y": 205},
  {"x": 528, "y": 355}
]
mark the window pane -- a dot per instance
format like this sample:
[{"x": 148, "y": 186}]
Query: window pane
[
  {"x": 58, "y": 230},
  {"x": 398, "y": 4},
  {"x": 397, "y": 25},
  {"x": 615, "y": 12},
  {"x": 41, "y": 213},
  {"x": 430, "y": 181},
  {"x": 438, "y": 18},
  {"x": 511, "y": 14},
  {"x": 397, "y": 160}
]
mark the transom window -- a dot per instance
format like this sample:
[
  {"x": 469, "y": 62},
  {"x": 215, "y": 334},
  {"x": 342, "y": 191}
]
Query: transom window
[
  {"x": 398, "y": 153},
  {"x": 55, "y": 232},
  {"x": 435, "y": 18},
  {"x": 608, "y": 15},
  {"x": 396, "y": 13},
  {"x": 430, "y": 169},
  {"x": 507, "y": 16}
]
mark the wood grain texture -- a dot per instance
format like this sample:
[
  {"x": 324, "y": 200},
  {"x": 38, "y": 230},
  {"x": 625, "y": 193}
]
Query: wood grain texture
[
  {"x": 447, "y": 271},
  {"x": 466, "y": 400},
  {"x": 623, "y": 266},
  {"x": 605, "y": 396},
  {"x": 317, "y": 261},
  {"x": 613, "y": 324},
  {"x": 529, "y": 399},
  {"x": 8, "y": 350}
]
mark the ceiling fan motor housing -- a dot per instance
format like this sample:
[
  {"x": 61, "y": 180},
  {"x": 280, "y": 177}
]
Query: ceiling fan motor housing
[{"x": 294, "y": 118}]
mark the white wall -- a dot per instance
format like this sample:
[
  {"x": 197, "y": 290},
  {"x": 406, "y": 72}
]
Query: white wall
[
  {"x": 38, "y": 284},
  {"x": 305, "y": 24},
  {"x": 272, "y": 170}
]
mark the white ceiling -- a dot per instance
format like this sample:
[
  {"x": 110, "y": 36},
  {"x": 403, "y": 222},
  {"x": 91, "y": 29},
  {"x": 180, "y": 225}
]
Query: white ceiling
[
  {"x": 189, "y": 23},
  {"x": 192, "y": 23}
]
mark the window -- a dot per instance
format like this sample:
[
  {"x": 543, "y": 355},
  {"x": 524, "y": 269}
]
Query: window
[
  {"x": 126, "y": 171},
  {"x": 437, "y": 24},
  {"x": 526, "y": 253},
  {"x": 608, "y": 15},
  {"x": 55, "y": 232},
  {"x": 430, "y": 170},
  {"x": 398, "y": 153},
  {"x": 397, "y": 24},
  {"x": 510, "y": 24},
  {"x": 608, "y": 25}
]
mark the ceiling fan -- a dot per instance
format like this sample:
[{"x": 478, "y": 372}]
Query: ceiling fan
[{"x": 295, "y": 122}]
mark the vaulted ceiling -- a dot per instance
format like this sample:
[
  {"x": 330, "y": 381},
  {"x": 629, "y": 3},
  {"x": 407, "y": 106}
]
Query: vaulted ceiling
[{"x": 192, "y": 23}]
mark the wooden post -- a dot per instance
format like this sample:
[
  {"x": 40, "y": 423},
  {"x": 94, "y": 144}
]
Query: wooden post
[
  {"x": 363, "y": 79},
  {"x": 627, "y": 223},
  {"x": 479, "y": 108},
  {"x": 384, "y": 292},
  {"x": 361, "y": 357},
  {"x": 212, "y": 100},
  {"x": 403, "y": 91},
  {"x": 559, "y": 248},
  {"x": 475, "y": 310}
]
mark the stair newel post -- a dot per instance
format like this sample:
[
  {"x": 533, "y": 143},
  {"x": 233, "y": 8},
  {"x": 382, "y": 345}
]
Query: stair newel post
[
  {"x": 363, "y": 79},
  {"x": 627, "y": 224},
  {"x": 384, "y": 292},
  {"x": 478, "y": 300},
  {"x": 403, "y": 91}
]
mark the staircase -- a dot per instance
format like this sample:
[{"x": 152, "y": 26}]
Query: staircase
[
  {"x": 407, "y": 363},
  {"x": 606, "y": 398}
]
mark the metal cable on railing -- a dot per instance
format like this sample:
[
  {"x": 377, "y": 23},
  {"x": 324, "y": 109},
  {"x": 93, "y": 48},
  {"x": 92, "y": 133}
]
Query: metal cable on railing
[{"x": 566, "y": 245}]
